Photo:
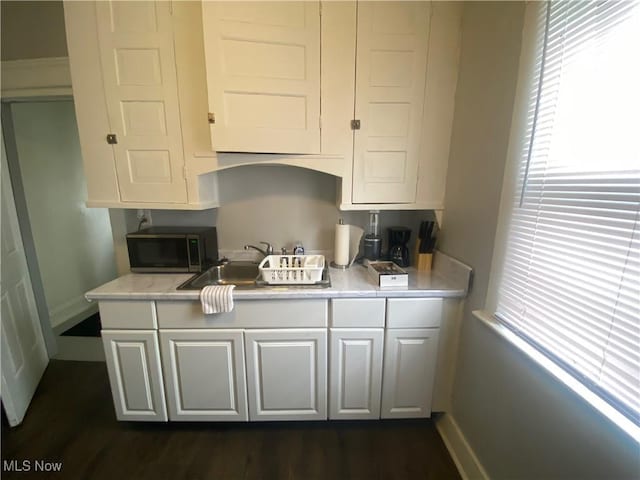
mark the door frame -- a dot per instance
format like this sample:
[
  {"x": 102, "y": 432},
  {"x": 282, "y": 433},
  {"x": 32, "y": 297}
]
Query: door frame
[
  {"x": 24, "y": 223},
  {"x": 31, "y": 80}
]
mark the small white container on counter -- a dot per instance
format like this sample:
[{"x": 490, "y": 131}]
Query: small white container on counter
[{"x": 388, "y": 274}]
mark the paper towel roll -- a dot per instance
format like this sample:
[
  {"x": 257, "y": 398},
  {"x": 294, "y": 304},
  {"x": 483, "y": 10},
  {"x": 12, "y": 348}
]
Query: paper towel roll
[{"x": 341, "y": 249}]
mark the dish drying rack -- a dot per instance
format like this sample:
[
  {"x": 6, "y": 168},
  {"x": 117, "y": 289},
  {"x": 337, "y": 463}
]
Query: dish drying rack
[{"x": 291, "y": 269}]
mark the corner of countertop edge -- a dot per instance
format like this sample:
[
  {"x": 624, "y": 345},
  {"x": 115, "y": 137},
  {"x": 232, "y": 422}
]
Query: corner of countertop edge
[{"x": 454, "y": 269}]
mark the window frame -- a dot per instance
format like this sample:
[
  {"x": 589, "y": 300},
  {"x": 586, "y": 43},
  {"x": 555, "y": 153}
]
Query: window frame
[{"x": 518, "y": 136}]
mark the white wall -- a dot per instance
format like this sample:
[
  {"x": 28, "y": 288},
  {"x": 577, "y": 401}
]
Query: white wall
[
  {"x": 73, "y": 243},
  {"x": 32, "y": 29},
  {"x": 519, "y": 421},
  {"x": 280, "y": 205}
]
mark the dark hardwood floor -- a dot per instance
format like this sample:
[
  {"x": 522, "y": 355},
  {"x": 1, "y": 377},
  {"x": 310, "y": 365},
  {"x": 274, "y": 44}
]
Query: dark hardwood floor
[{"x": 71, "y": 420}]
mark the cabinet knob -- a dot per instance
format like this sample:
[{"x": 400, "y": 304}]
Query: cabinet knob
[
  {"x": 211, "y": 117},
  {"x": 112, "y": 139},
  {"x": 355, "y": 124}
]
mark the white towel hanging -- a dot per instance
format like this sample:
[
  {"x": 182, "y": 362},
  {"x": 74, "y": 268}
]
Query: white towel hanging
[{"x": 217, "y": 298}]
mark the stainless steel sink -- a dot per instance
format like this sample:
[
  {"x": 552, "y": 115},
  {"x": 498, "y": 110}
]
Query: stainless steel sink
[{"x": 241, "y": 274}]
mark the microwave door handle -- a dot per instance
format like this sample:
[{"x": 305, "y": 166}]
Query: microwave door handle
[{"x": 191, "y": 265}]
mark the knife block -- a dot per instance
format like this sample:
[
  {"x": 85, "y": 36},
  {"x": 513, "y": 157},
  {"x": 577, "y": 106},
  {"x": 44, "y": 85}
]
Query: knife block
[{"x": 423, "y": 262}]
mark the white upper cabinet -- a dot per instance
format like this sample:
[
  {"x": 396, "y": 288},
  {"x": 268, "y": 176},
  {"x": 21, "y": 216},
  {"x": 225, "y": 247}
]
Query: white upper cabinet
[
  {"x": 391, "y": 62},
  {"x": 263, "y": 75},
  {"x": 138, "y": 63},
  {"x": 406, "y": 76},
  {"x": 275, "y": 68},
  {"x": 189, "y": 88},
  {"x": 124, "y": 58}
]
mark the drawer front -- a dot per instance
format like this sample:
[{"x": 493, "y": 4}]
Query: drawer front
[
  {"x": 128, "y": 314},
  {"x": 246, "y": 314},
  {"x": 414, "y": 312},
  {"x": 357, "y": 312}
]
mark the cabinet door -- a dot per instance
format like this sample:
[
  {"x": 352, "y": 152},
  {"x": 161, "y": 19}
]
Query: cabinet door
[
  {"x": 409, "y": 369},
  {"x": 263, "y": 75},
  {"x": 286, "y": 374},
  {"x": 204, "y": 374},
  {"x": 133, "y": 362},
  {"x": 390, "y": 81},
  {"x": 355, "y": 373},
  {"x": 140, "y": 83}
]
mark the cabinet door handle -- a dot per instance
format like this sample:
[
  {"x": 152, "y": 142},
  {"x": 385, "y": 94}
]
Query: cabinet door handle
[
  {"x": 355, "y": 124},
  {"x": 112, "y": 139}
]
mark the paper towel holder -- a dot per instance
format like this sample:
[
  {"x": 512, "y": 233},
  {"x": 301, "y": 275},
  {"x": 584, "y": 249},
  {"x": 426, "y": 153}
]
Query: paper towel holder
[{"x": 333, "y": 264}]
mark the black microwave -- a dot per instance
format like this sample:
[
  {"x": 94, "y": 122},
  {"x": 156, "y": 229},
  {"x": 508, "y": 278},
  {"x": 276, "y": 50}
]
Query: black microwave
[{"x": 172, "y": 249}]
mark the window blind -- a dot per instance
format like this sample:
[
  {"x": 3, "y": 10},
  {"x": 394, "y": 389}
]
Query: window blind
[{"x": 571, "y": 276}]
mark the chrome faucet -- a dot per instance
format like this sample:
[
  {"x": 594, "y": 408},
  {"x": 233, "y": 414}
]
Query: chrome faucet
[{"x": 265, "y": 252}]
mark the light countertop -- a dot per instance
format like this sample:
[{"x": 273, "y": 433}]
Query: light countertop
[{"x": 449, "y": 278}]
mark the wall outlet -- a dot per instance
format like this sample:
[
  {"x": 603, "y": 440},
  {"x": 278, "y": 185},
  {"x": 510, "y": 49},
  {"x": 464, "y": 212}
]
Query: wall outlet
[{"x": 144, "y": 218}]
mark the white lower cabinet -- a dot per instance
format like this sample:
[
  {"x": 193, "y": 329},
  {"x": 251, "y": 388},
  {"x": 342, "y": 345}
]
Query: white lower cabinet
[
  {"x": 133, "y": 363},
  {"x": 379, "y": 356},
  {"x": 355, "y": 373},
  {"x": 287, "y": 374},
  {"x": 204, "y": 374},
  {"x": 409, "y": 370}
]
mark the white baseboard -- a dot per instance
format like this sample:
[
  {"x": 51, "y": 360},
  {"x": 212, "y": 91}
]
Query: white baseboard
[
  {"x": 70, "y": 313},
  {"x": 461, "y": 452}
]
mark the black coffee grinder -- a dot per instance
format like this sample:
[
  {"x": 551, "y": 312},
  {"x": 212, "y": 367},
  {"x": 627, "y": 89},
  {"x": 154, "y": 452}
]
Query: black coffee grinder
[{"x": 398, "y": 249}]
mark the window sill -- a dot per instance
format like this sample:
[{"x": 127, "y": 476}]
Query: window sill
[{"x": 602, "y": 407}]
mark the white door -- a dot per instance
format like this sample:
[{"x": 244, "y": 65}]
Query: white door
[
  {"x": 286, "y": 374},
  {"x": 24, "y": 355},
  {"x": 133, "y": 363},
  {"x": 355, "y": 373},
  {"x": 391, "y": 64},
  {"x": 140, "y": 82},
  {"x": 204, "y": 374},
  {"x": 263, "y": 75},
  {"x": 409, "y": 368}
]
